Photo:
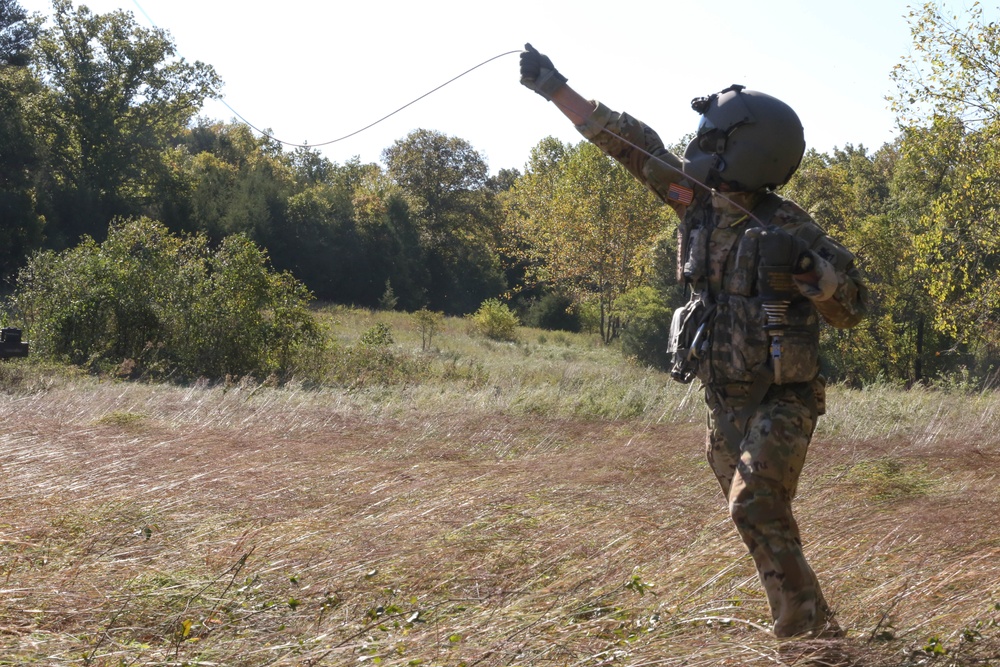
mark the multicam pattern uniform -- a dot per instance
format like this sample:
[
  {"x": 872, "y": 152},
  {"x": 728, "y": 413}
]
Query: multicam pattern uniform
[{"x": 758, "y": 473}]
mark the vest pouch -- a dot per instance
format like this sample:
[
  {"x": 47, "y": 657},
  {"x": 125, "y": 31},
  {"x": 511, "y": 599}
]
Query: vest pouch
[
  {"x": 739, "y": 342},
  {"x": 799, "y": 355},
  {"x": 799, "y": 345},
  {"x": 689, "y": 339}
]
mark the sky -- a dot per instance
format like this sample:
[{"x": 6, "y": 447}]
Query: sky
[{"x": 315, "y": 72}]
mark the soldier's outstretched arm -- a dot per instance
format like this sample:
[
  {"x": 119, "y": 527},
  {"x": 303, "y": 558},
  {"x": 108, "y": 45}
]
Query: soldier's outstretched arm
[{"x": 629, "y": 141}]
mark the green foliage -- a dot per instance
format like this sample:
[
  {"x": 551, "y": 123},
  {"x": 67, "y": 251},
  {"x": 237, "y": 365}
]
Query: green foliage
[
  {"x": 648, "y": 310},
  {"x": 496, "y": 321},
  {"x": 114, "y": 93},
  {"x": 637, "y": 585},
  {"x": 151, "y": 303},
  {"x": 579, "y": 221},
  {"x": 366, "y": 365},
  {"x": 20, "y": 155},
  {"x": 237, "y": 182},
  {"x": 444, "y": 182},
  {"x": 555, "y": 312},
  {"x": 590, "y": 315},
  {"x": 379, "y": 335},
  {"x": 95, "y": 124},
  {"x": 951, "y": 71},
  {"x": 98, "y": 127},
  {"x": 428, "y": 323},
  {"x": 17, "y": 33},
  {"x": 887, "y": 479},
  {"x": 647, "y": 329},
  {"x": 388, "y": 300},
  {"x": 947, "y": 188},
  {"x": 935, "y": 647}
]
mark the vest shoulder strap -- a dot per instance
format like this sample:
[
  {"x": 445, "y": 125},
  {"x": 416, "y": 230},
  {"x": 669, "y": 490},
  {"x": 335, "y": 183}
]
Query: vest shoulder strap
[{"x": 765, "y": 209}]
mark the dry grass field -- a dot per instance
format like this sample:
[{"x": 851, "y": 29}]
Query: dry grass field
[{"x": 535, "y": 503}]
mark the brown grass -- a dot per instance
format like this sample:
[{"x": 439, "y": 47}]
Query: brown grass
[{"x": 243, "y": 525}]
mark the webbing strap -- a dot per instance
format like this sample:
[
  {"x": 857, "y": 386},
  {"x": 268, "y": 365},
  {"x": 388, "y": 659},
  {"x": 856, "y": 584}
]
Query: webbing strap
[{"x": 765, "y": 209}]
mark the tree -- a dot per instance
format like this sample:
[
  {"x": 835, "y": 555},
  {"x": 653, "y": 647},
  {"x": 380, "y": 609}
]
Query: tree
[
  {"x": 21, "y": 231},
  {"x": 310, "y": 167},
  {"x": 233, "y": 182},
  {"x": 391, "y": 249},
  {"x": 17, "y": 34},
  {"x": 115, "y": 93},
  {"x": 317, "y": 241},
  {"x": 952, "y": 71},
  {"x": 441, "y": 177},
  {"x": 948, "y": 105},
  {"x": 445, "y": 184},
  {"x": 581, "y": 222}
]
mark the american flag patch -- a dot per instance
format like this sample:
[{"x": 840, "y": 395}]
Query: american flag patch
[{"x": 680, "y": 194}]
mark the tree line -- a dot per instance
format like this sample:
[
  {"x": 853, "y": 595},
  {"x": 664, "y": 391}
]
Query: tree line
[{"x": 99, "y": 125}]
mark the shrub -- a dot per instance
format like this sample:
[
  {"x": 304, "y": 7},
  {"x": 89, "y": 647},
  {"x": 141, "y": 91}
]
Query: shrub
[
  {"x": 496, "y": 321},
  {"x": 647, "y": 327},
  {"x": 555, "y": 312},
  {"x": 379, "y": 336},
  {"x": 373, "y": 362},
  {"x": 158, "y": 304}
]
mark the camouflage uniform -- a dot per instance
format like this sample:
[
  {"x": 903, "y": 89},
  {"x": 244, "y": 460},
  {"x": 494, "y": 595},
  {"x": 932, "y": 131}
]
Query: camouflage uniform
[{"x": 757, "y": 463}]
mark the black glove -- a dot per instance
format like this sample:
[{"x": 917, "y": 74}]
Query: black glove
[{"x": 538, "y": 73}]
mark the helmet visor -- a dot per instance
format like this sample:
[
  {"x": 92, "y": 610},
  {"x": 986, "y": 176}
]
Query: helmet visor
[
  {"x": 711, "y": 139},
  {"x": 703, "y": 167}
]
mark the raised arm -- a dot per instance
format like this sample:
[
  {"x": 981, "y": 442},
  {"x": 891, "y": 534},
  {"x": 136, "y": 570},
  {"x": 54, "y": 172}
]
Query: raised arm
[{"x": 629, "y": 141}]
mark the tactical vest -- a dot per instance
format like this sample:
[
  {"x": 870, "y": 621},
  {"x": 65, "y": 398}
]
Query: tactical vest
[{"x": 735, "y": 346}]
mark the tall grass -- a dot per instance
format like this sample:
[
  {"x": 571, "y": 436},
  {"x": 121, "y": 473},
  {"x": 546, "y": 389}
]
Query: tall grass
[
  {"x": 542, "y": 502},
  {"x": 543, "y": 372}
]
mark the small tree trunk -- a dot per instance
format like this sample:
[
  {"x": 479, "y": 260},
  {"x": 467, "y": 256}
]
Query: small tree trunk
[{"x": 918, "y": 365}]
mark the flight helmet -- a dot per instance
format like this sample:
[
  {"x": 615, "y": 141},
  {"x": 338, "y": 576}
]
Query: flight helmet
[{"x": 746, "y": 139}]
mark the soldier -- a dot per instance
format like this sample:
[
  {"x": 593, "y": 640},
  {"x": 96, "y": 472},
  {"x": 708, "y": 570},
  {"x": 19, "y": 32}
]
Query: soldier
[{"x": 760, "y": 273}]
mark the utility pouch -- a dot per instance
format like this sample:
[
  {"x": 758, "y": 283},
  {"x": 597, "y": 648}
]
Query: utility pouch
[
  {"x": 799, "y": 356},
  {"x": 689, "y": 338},
  {"x": 696, "y": 261}
]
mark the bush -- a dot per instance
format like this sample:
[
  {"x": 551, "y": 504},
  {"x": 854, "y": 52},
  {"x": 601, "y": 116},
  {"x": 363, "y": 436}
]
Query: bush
[
  {"x": 373, "y": 362},
  {"x": 496, "y": 321},
  {"x": 161, "y": 305},
  {"x": 647, "y": 327},
  {"x": 555, "y": 312},
  {"x": 379, "y": 336}
]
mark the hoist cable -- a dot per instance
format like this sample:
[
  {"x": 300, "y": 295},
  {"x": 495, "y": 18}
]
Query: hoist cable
[
  {"x": 346, "y": 136},
  {"x": 370, "y": 125}
]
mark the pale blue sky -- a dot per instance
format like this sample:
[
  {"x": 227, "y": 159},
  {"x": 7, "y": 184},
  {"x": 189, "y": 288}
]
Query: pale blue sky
[{"x": 317, "y": 71}]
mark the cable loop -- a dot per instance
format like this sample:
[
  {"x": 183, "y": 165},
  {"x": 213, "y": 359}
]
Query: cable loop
[{"x": 370, "y": 125}]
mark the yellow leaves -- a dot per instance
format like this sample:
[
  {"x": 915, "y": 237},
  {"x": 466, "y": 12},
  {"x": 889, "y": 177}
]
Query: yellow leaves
[{"x": 580, "y": 220}]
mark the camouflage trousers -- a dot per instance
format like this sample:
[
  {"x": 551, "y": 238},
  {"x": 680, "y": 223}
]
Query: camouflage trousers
[{"x": 759, "y": 476}]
